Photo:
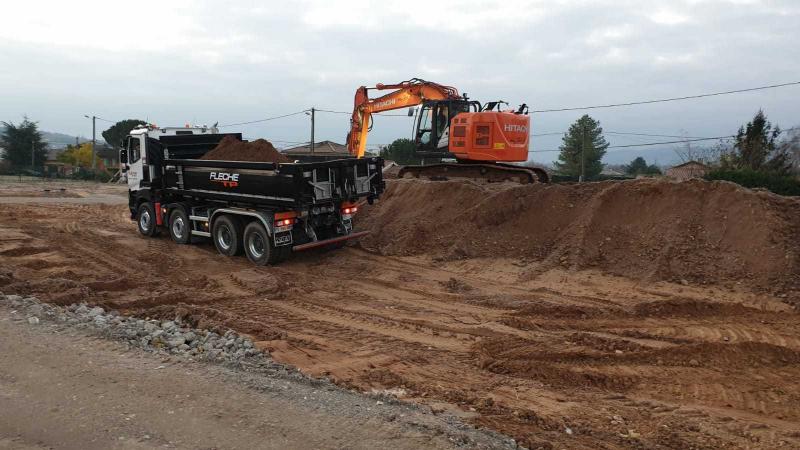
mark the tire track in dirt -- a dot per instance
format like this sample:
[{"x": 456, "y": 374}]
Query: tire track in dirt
[{"x": 526, "y": 355}]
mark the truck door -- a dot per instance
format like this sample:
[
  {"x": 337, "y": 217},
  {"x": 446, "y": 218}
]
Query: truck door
[{"x": 135, "y": 162}]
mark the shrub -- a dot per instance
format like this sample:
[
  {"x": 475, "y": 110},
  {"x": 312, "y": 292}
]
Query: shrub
[{"x": 779, "y": 184}]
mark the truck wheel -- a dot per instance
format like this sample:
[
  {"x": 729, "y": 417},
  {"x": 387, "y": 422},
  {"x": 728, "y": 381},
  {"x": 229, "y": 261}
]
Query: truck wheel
[
  {"x": 146, "y": 220},
  {"x": 227, "y": 235},
  {"x": 258, "y": 246},
  {"x": 179, "y": 227}
]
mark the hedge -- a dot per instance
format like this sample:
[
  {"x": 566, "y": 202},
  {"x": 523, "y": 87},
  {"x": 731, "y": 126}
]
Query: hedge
[{"x": 779, "y": 184}]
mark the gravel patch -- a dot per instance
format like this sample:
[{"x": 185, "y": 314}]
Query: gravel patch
[{"x": 239, "y": 358}]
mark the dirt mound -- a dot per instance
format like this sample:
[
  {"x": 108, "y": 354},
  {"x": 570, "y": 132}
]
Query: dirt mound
[
  {"x": 232, "y": 149},
  {"x": 691, "y": 232}
]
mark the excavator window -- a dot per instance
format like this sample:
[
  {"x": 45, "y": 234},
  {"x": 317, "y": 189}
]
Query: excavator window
[
  {"x": 433, "y": 124},
  {"x": 425, "y": 125}
]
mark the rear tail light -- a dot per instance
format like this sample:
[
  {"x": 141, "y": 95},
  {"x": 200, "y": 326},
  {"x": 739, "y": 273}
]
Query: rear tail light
[
  {"x": 284, "y": 222},
  {"x": 350, "y": 210}
]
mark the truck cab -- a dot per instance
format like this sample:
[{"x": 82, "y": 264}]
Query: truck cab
[{"x": 142, "y": 151}]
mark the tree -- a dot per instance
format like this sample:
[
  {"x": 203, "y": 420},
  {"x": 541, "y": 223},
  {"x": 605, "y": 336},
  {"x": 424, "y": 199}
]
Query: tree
[
  {"x": 117, "y": 132},
  {"x": 573, "y": 157},
  {"x": 19, "y": 141},
  {"x": 400, "y": 151},
  {"x": 791, "y": 146},
  {"x": 755, "y": 147},
  {"x": 639, "y": 167},
  {"x": 80, "y": 155}
]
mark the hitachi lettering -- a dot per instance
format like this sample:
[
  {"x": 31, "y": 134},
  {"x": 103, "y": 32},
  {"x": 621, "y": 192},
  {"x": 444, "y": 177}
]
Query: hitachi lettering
[
  {"x": 384, "y": 103},
  {"x": 517, "y": 128},
  {"x": 226, "y": 179}
]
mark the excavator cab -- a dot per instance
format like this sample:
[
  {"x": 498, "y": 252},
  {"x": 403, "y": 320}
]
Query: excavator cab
[{"x": 432, "y": 127}]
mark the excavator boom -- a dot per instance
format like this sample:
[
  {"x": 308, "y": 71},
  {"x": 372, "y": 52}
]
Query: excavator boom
[{"x": 407, "y": 93}]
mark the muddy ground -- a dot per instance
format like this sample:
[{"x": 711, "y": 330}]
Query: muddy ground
[{"x": 555, "y": 355}]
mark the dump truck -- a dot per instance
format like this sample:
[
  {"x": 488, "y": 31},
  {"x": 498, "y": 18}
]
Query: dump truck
[{"x": 265, "y": 210}]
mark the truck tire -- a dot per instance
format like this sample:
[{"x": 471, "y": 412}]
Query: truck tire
[
  {"x": 226, "y": 233},
  {"x": 180, "y": 228},
  {"x": 146, "y": 220},
  {"x": 258, "y": 246}
]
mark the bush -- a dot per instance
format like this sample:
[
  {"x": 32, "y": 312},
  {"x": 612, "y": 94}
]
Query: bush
[
  {"x": 89, "y": 175},
  {"x": 779, "y": 184}
]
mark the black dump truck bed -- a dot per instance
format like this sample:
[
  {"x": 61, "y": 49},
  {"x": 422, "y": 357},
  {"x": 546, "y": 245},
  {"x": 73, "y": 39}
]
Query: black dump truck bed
[
  {"x": 284, "y": 185},
  {"x": 281, "y": 184}
]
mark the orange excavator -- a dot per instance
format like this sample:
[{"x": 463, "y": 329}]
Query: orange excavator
[{"x": 482, "y": 139}]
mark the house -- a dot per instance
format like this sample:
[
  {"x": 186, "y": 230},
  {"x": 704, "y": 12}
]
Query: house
[
  {"x": 323, "y": 150},
  {"x": 55, "y": 168},
  {"x": 107, "y": 157},
  {"x": 688, "y": 170}
]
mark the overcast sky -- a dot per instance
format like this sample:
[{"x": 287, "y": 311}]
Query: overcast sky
[{"x": 173, "y": 62}]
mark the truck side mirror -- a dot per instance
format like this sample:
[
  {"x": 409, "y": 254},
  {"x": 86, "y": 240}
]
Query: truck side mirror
[
  {"x": 123, "y": 156},
  {"x": 411, "y": 111}
]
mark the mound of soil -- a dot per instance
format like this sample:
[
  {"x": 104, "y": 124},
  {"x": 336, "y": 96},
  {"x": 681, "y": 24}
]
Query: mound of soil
[
  {"x": 232, "y": 149},
  {"x": 690, "y": 232}
]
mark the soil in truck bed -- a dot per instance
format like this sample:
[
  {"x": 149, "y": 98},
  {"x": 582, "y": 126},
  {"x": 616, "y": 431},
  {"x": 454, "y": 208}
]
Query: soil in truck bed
[{"x": 232, "y": 149}]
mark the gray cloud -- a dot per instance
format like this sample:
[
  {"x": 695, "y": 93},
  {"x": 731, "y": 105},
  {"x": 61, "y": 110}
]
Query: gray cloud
[{"x": 178, "y": 62}]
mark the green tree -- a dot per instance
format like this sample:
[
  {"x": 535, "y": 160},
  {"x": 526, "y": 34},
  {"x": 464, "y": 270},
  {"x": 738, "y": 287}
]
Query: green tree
[
  {"x": 19, "y": 141},
  {"x": 584, "y": 132},
  {"x": 80, "y": 155},
  {"x": 400, "y": 151},
  {"x": 117, "y": 132},
  {"x": 639, "y": 167},
  {"x": 755, "y": 147}
]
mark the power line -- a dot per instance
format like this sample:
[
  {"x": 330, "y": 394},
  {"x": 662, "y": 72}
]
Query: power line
[
  {"x": 663, "y": 100},
  {"x": 264, "y": 120},
  {"x": 649, "y": 143},
  {"x": 651, "y": 135},
  {"x": 350, "y": 113},
  {"x": 623, "y": 133},
  {"x": 555, "y": 133}
]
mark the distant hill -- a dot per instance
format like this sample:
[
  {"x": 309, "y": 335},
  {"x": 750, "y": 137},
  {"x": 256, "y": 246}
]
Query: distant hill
[{"x": 58, "y": 140}]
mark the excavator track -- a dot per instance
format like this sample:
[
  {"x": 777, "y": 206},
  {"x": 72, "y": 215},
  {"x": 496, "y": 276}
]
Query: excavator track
[{"x": 491, "y": 172}]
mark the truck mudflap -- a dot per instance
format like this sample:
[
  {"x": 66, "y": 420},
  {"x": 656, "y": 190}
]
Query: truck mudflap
[{"x": 315, "y": 244}]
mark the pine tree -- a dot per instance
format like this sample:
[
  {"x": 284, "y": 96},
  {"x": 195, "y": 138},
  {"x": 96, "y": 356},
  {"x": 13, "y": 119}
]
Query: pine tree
[
  {"x": 756, "y": 147},
  {"x": 117, "y": 132},
  {"x": 574, "y": 159},
  {"x": 23, "y": 142}
]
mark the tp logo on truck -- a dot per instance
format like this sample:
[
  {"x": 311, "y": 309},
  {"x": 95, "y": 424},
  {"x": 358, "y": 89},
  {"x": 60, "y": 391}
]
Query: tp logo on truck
[{"x": 229, "y": 180}]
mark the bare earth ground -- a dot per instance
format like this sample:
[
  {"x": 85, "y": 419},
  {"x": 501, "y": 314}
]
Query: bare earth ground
[
  {"x": 61, "y": 388},
  {"x": 554, "y": 358}
]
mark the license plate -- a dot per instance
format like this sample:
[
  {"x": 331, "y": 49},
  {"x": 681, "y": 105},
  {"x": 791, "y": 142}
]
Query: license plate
[{"x": 284, "y": 238}]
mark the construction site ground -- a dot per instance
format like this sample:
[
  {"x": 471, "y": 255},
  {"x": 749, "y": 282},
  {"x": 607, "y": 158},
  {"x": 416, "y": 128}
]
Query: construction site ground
[{"x": 575, "y": 343}]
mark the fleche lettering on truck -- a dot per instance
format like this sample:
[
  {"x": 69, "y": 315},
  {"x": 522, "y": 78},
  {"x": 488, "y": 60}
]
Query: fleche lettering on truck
[
  {"x": 225, "y": 178},
  {"x": 275, "y": 210}
]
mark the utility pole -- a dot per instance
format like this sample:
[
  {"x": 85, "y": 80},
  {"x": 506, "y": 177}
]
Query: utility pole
[
  {"x": 312, "y": 130},
  {"x": 33, "y": 156},
  {"x": 583, "y": 153},
  {"x": 94, "y": 140},
  {"x": 94, "y": 143}
]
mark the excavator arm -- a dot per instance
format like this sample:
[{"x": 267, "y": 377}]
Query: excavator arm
[{"x": 408, "y": 93}]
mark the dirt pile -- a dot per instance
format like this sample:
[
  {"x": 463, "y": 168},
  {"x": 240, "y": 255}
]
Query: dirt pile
[
  {"x": 691, "y": 232},
  {"x": 232, "y": 149}
]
